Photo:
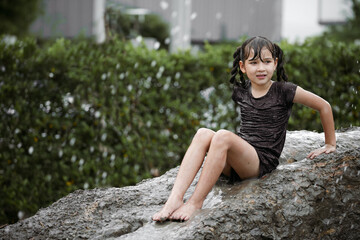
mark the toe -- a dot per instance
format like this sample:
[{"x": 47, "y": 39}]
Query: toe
[
  {"x": 155, "y": 218},
  {"x": 160, "y": 217}
]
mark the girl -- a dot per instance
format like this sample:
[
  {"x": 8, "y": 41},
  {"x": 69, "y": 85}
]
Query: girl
[{"x": 265, "y": 109}]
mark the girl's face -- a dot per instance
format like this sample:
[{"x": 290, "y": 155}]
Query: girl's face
[{"x": 259, "y": 71}]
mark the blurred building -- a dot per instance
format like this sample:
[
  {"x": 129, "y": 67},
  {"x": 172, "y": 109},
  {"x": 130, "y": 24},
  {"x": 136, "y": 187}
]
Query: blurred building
[
  {"x": 212, "y": 20},
  {"x": 71, "y": 18},
  {"x": 216, "y": 20},
  {"x": 301, "y": 19},
  {"x": 197, "y": 20},
  {"x": 332, "y": 12}
]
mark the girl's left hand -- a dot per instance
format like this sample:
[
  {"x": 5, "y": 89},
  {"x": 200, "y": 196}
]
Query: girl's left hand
[{"x": 328, "y": 148}]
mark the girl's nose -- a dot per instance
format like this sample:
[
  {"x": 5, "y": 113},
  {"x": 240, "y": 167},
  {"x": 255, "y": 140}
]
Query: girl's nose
[{"x": 261, "y": 66}]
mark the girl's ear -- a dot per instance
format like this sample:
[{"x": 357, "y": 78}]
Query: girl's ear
[
  {"x": 276, "y": 63},
  {"x": 242, "y": 66}
]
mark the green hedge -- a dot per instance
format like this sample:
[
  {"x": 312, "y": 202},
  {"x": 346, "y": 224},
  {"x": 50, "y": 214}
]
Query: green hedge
[
  {"x": 332, "y": 71},
  {"x": 75, "y": 114}
]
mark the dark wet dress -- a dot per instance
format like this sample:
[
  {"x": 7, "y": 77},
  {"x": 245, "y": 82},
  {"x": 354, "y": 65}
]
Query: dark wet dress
[{"x": 264, "y": 121}]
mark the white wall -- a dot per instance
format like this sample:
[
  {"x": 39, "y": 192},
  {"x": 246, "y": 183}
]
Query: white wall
[
  {"x": 301, "y": 18},
  {"x": 70, "y": 18}
]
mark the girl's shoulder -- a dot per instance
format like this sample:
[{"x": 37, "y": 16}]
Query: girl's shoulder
[
  {"x": 285, "y": 86},
  {"x": 240, "y": 91},
  {"x": 240, "y": 87},
  {"x": 286, "y": 91}
]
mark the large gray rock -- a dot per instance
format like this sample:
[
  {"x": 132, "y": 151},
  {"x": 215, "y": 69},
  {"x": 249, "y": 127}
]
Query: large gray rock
[{"x": 302, "y": 199}]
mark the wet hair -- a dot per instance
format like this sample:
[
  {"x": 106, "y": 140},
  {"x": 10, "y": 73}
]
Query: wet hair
[{"x": 257, "y": 44}]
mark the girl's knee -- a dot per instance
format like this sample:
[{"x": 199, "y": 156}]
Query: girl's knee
[
  {"x": 221, "y": 138},
  {"x": 204, "y": 134}
]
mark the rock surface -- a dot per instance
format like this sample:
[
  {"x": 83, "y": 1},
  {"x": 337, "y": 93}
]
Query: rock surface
[{"x": 302, "y": 199}]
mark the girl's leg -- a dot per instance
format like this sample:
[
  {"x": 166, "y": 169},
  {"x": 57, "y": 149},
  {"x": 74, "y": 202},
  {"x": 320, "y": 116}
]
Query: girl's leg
[
  {"x": 189, "y": 167},
  {"x": 226, "y": 150}
]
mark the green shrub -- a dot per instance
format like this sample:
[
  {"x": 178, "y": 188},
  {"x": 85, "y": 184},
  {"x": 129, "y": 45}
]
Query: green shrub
[
  {"x": 330, "y": 70},
  {"x": 79, "y": 115},
  {"x": 127, "y": 26}
]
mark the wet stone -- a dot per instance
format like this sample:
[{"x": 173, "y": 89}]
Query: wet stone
[{"x": 301, "y": 199}]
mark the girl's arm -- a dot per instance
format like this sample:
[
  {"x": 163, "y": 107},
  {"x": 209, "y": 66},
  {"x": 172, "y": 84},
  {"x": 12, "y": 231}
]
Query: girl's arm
[{"x": 315, "y": 102}]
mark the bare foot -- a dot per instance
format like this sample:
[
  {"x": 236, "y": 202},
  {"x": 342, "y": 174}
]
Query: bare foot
[
  {"x": 170, "y": 206},
  {"x": 184, "y": 212}
]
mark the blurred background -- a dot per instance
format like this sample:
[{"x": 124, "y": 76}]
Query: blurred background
[
  {"x": 99, "y": 93},
  {"x": 190, "y": 21}
]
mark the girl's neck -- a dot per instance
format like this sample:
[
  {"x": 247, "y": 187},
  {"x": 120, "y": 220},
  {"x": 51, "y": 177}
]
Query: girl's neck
[{"x": 260, "y": 90}]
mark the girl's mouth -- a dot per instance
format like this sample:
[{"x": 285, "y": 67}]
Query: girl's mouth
[{"x": 261, "y": 76}]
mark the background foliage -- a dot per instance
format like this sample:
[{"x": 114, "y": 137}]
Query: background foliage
[
  {"x": 17, "y": 15},
  {"x": 125, "y": 26},
  {"x": 80, "y": 115}
]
